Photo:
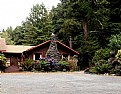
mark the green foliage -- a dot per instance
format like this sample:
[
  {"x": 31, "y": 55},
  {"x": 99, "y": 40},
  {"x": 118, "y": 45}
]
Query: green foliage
[
  {"x": 115, "y": 11},
  {"x": 101, "y": 67},
  {"x": 68, "y": 17},
  {"x": 18, "y": 35},
  {"x": 37, "y": 66},
  {"x": 27, "y": 65},
  {"x": 37, "y": 27},
  {"x": 43, "y": 64},
  {"x": 64, "y": 65},
  {"x": 2, "y": 59},
  {"x": 7, "y": 34},
  {"x": 69, "y": 27},
  {"x": 101, "y": 54},
  {"x": 77, "y": 18},
  {"x": 2, "y": 62},
  {"x": 118, "y": 56},
  {"x": 115, "y": 42},
  {"x": 117, "y": 70}
]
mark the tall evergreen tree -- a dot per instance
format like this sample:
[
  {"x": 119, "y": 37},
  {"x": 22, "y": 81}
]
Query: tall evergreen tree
[
  {"x": 17, "y": 35},
  {"x": 87, "y": 15},
  {"x": 37, "y": 27},
  {"x": 7, "y": 34}
]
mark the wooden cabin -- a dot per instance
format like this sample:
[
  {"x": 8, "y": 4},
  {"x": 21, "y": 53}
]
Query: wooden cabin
[{"x": 17, "y": 53}]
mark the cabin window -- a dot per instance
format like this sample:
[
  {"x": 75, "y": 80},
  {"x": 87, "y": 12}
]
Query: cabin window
[
  {"x": 37, "y": 56},
  {"x": 65, "y": 55}
]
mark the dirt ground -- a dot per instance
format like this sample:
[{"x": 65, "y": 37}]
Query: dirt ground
[{"x": 58, "y": 83}]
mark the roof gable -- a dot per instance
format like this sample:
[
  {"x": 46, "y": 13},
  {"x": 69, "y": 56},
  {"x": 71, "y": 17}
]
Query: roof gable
[
  {"x": 49, "y": 42},
  {"x": 38, "y": 45},
  {"x": 67, "y": 47}
]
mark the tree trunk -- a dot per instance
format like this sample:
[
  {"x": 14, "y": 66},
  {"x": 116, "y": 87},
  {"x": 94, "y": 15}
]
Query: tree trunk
[{"x": 85, "y": 28}]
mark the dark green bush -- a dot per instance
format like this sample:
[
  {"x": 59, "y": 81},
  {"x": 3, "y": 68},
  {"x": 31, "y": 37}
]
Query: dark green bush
[
  {"x": 43, "y": 65},
  {"x": 3, "y": 59},
  {"x": 101, "y": 54},
  {"x": 101, "y": 67},
  {"x": 118, "y": 56},
  {"x": 100, "y": 61},
  {"x": 64, "y": 65},
  {"x": 115, "y": 42},
  {"x": 37, "y": 66},
  {"x": 116, "y": 70},
  {"x": 27, "y": 65},
  {"x": 2, "y": 62}
]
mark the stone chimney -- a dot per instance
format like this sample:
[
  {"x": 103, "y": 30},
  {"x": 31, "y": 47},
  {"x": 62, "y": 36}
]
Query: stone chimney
[
  {"x": 70, "y": 42},
  {"x": 2, "y": 44},
  {"x": 53, "y": 52}
]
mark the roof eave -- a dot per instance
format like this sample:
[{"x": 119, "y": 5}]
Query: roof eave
[
  {"x": 56, "y": 41},
  {"x": 13, "y": 52},
  {"x": 38, "y": 45},
  {"x": 68, "y": 47}
]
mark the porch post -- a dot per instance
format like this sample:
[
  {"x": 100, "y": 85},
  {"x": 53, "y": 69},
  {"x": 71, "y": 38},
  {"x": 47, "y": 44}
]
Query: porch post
[
  {"x": 69, "y": 57},
  {"x": 33, "y": 56}
]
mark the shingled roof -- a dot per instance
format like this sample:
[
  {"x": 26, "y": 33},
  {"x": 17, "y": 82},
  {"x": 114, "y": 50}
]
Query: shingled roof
[
  {"x": 12, "y": 48},
  {"x": 22, "y": 48},
  {"x": 17, "y": 48}
]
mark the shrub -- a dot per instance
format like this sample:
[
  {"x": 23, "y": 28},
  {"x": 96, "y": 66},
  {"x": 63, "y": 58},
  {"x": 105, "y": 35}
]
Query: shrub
[
  {"x": 37, "y": 66},
  {"x": 27, "y": 65},
  {"x": 64, "y": 65},
  {"x": 43, "y": 65},
  {"x": 72, "y": 65},
  {"x": 117, "y": 70},
  {"x": 118, "y": 56},
  {"x": 2, "y": 62},
  {"x": 3, "y": 59},
  {"x": 115, "y": 42},
  {"x": 101, "y": 67},
  {"x": 101, "y": 54}
]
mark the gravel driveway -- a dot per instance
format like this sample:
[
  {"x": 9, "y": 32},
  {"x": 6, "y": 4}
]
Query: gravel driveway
[{"x": 58, "y": 83}]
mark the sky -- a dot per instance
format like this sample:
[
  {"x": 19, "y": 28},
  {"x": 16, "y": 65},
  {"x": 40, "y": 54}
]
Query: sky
[{"x": 13, "y": 12}]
